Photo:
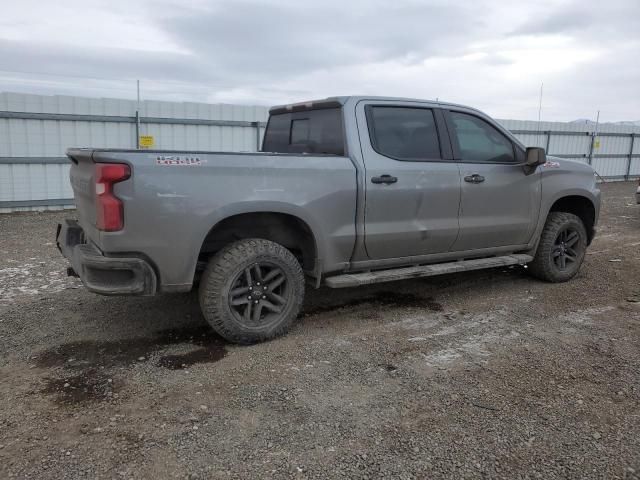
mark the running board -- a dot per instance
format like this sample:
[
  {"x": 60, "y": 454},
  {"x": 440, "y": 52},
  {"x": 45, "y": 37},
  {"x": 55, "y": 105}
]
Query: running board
[{"x": 379, "y": 276}]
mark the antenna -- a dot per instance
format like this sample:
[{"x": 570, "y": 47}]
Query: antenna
[{"x": 540, "y": 109}]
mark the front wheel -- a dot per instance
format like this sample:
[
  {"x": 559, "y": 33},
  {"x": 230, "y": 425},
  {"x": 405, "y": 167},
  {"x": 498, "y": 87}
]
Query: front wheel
[
  {"x": 251, "y": 291},
  {"x": 562, "y": 247}
]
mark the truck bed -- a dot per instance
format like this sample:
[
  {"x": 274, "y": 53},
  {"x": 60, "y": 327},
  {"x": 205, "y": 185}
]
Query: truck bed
[{"x": 174, "y": 198}]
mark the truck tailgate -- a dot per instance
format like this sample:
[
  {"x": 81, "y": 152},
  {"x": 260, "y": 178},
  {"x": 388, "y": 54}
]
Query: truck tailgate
[{"x": 82, "y": 175}]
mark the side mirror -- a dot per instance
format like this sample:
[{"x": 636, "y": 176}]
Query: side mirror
[{"x": 535, "y": 156}]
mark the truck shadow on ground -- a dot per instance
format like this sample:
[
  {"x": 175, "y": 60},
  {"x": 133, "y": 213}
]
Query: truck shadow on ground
[{"x": 89, "y": 370}]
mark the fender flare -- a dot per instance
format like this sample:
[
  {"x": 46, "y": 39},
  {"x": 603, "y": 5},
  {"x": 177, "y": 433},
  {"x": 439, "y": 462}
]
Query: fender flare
[{"x": 209, "y": 221}]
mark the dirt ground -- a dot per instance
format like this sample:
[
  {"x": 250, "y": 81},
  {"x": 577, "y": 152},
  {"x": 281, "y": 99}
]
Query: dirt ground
[{"x": 488, "y": 374}]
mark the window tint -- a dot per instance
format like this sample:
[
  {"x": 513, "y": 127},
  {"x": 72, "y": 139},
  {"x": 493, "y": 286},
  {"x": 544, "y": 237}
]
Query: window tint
[
  {"x": 299, "y": 131},
  {"x": 310, "y": 131},
  {"x": 404, "y": 133},
  {"x": 479, "y": 141}
]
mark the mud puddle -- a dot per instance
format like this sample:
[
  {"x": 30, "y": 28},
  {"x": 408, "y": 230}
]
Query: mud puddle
[
  {"x": 88, "y": 386},
  {"x": 126, "y": 352},
  {"x": 87, "y": 364}
]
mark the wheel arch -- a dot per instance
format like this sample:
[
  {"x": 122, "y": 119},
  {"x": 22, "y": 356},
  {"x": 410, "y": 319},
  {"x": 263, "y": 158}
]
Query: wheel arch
[
  {"x": 283, "y": 227},
  {"x": 581, "y": 206}
]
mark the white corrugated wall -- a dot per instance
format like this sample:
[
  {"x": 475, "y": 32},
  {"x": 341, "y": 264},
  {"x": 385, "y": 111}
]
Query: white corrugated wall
[
  {"x": 48, "y": 139},
  {"x": 43, "y": 176},
  {"x": 578, "y": 144}
]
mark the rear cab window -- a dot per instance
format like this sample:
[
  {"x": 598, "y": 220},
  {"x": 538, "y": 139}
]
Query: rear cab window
[{"x": 314, "y": 131}]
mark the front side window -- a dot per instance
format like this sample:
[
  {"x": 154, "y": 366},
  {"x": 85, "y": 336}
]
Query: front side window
[
  {"x": 404, "y": 133},
  {"x": 479, "y": 141}
]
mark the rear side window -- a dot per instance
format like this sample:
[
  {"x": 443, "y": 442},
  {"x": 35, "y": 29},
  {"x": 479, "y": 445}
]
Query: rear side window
[
  {"x": 310, "y": 131},
  {"x": 479, "y": 141},
  {"x": 404, "y": 133}
]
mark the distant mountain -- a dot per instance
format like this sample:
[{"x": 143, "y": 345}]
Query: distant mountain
[
  {"x": 582, "y": 120},
  {"x": 586, "y": 121},
  {"x": 635, "y": 123}
]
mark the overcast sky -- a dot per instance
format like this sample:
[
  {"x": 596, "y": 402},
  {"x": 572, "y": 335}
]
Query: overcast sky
[{"x": 491, "y": 54}]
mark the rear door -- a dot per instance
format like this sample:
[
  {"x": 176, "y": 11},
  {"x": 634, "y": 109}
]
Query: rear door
[
  {"x": 412, "y": 183},
  {"x": 500, "y": 202}
]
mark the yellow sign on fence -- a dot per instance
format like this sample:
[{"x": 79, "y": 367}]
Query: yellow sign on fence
[{"x": 146, "y": 141}]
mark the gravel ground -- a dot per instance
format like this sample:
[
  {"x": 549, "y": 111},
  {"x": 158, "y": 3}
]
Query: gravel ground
[{"x": 488, "y": 374}]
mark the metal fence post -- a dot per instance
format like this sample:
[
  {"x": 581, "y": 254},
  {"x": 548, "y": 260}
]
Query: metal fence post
[
  {"x": 548, "y": 141},
  {"x": 593, "y": 139},
  {"x": 257, "y": 136},
  {"x": 137, "y": 130},
  {"x": 628, "y": 174},
  {"x": 138, "y": 114}
]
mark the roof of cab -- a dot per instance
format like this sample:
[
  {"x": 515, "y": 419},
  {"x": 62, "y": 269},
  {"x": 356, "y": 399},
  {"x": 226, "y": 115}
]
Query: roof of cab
[{"x": 335, "y": 102}]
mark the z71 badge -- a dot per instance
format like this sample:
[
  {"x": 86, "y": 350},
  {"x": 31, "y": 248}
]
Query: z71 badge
[{"x": 178, "y": 161}]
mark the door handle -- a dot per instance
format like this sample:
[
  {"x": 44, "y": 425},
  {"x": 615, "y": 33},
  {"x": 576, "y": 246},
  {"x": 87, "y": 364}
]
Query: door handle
[
  {"x": 475, "y": 178},
  {"x": 384, "y": 179}
]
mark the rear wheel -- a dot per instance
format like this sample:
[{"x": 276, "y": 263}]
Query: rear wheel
[
  {"x": 252, "y": 290},
  {"x": 562, "y": 248}
]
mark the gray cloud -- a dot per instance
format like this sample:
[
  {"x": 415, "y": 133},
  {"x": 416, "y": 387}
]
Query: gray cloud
[
  {"x": 252, "y": 39},
  {"x": 488, "y": 53},
  {"x": 564, "y": 21},
  {"x": 591, "y": 20},
  {"x": 100, "y": 62}
]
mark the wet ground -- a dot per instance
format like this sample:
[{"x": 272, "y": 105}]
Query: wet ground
[{"x": 487, "y": 374}]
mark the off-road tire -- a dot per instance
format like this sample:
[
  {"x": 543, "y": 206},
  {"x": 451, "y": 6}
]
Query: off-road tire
[
  {"x": 225, "y": 270},
  {"x": 543, "y": 266}
]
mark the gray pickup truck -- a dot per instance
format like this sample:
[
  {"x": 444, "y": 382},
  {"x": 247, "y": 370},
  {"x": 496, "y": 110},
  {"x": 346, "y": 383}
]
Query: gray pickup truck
[{"x": 347, "y": 191}]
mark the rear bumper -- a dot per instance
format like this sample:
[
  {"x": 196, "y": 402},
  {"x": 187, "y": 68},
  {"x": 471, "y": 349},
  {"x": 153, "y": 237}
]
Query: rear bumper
[{"x": 100, "y": 274}]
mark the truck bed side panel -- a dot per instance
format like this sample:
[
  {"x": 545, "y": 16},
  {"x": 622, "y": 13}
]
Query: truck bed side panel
[{"x": 171, "y": 206}]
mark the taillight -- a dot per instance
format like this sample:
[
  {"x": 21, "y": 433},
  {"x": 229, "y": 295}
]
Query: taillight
[{"x": 109, "y": 208}]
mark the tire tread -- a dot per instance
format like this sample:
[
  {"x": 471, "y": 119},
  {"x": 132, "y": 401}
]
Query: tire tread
[
  {"x": 216, "y": 274},
  {"x": 541, "y": 267}
]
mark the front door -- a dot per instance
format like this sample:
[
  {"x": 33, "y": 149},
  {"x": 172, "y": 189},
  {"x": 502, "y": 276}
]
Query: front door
[
  {"x": 412, "y": 182},
  {"x": 500, "y": 202}
]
